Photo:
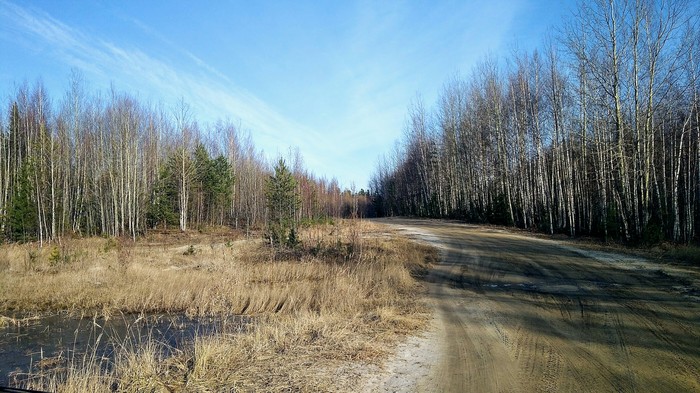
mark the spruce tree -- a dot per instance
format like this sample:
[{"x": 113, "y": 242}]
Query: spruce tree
[
  {"x": 163, "y": 207},
  {"x": 219, "y": 185},
  {"x": 21, "y": 219},
  {"x": 283, "y": 202}
]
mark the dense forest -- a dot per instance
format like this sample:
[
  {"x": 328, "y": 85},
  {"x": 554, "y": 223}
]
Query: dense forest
[
  {"x": 598, "y": 134},
  {"x": 106, "y": 164}
]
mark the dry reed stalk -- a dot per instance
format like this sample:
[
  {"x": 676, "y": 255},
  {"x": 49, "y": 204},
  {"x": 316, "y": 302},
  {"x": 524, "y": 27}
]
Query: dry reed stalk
[{"x": 344, "y": 297}]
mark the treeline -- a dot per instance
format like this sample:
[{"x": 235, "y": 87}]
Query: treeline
[
  {"x": 107, "y": 164},
  {"x": 599, "y": 135}
]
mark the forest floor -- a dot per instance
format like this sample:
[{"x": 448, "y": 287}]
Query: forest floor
[{"x": 520, "y": 313}]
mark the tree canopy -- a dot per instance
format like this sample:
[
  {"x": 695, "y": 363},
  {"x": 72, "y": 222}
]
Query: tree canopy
[{"x": 599, "y": 134}]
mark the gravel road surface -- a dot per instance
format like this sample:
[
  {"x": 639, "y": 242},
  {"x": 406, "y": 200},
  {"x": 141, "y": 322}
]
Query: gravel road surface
[{"x": 521, "y": 314}]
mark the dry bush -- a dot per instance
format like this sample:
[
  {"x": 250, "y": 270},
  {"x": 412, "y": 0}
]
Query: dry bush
[
  {"x": 686, "y": 254},
  {"x": 345, "y": 295}
]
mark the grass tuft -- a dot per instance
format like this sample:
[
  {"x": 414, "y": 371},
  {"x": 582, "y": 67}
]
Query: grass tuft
[{"x": 345, "y": 295}]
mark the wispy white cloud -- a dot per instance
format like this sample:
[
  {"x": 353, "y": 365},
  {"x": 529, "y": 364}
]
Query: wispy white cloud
[
  {"x": 209, "y": 92},
  {"x": 384, "y": 55},
  {"x": 394, "y": 51},
  {"x": 28, "y": 27},
  {"x": 171, "y": 45}
]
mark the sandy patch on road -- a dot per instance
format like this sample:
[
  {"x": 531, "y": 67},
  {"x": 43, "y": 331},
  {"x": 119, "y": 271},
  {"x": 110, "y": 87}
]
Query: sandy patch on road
[
  {"x": 516, "y": 313},
  {"x": 414, "y": 365},
  {"x": 412, "y": 368}
]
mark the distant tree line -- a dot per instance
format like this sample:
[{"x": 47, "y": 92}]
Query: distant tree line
[
  {"x": 598, "y": 135},
  {"x": 109, "y": 165}
]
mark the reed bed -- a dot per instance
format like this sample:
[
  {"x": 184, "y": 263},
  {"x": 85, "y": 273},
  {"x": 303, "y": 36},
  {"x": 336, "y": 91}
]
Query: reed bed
[{"x": 339, "y": 300}]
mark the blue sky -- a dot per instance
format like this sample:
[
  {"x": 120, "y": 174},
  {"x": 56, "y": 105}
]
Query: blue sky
[{"x": 333, "y": 79}]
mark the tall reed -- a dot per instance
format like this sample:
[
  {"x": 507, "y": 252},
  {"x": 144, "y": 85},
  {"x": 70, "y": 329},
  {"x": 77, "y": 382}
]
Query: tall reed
[{"x": 343, "y": 297}]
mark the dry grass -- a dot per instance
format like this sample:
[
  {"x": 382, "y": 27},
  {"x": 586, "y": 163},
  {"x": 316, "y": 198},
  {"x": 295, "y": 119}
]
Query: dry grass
[
  {"x": 10, "y": 321},
  {"x": 344, "y": 296},
  {"x": 688, "y": 254}
]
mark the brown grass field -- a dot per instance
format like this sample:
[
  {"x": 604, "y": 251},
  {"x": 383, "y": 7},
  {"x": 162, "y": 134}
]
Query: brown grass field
[{"x": 340, "y": 301}]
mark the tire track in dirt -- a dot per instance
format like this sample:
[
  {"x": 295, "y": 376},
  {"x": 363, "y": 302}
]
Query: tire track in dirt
[
  {"x": 471, "y": 358},
  {"x": 526, "y": 314}
]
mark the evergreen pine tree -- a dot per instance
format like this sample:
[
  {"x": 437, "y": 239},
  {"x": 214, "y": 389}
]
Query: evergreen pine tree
[
  {"x": 219, "y": 183},
  {"x": 283, "y": 202},
  {"x": 163, "y": 207},
  {"x": 21, "y": 219}
]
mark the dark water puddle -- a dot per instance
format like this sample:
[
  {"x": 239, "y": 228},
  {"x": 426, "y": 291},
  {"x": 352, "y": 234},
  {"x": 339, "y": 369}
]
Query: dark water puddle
[{"x": 31, "y": 343}]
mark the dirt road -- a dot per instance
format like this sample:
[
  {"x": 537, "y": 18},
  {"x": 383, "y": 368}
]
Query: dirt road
[{"x": 519, "y": 314}]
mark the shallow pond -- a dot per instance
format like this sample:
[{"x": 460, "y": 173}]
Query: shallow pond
[{"x": 32, "y": 343}]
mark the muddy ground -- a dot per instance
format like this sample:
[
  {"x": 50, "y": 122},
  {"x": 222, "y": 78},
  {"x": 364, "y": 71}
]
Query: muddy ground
[{"x": 520, "y": 314}]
